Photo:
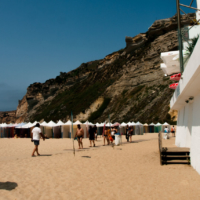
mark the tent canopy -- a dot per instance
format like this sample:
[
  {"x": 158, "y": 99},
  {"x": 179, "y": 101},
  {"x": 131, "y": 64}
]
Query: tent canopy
[
  {"x": 77, "y": 122},
  {"x": 60, "y": 123},
  {"x": 165, "y": 124},
  {"x": 51, "y": 124}
]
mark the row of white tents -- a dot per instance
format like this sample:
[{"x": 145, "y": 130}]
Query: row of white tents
[{"x": 68, "y": 129}]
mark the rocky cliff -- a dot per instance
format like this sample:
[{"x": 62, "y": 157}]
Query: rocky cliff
[
  {"x": 128, "y": 84},
  {"x": 8, "y": 117}
]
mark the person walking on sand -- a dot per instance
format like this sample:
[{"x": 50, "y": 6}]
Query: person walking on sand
[
  {"x": 173, "y": 131},
  {"x": 95, "y": 132},
  {"x": 127, "y": 133},
  {"x": 79, "y": 134},
  {"x": 91, "y": 133},
  {"x": 36, "y": 134},
  {"x": 130, "y": 133},
  {"x": 106, "y": 136}
]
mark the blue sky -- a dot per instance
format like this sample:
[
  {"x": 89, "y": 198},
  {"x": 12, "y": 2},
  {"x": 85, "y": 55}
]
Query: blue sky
[{"x": 41, "y": 38}]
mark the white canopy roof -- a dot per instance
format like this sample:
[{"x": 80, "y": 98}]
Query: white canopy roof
[
  {"x": 89, "y": 123},
  {"x": 165, "y": 124},
  {"x": 60, "y": 123},
  {"x": 138, "y": 123},
  {"x": 68, "y": 123},
  {"x": 29, "y": 125},
  {"x": 158, "y": 124},
  {"x": 145, "y": 124},
  {"x": 109, "y": 124},
  {"x": 51, "y": 124},
  {"x": 43, "y": 123},
  {"x": 152, "y": 124},
  {"x": 100, "y": 125},
  {"x": 77, "y": 122},
  {"x": 123, "y": 124},
  {"x": 3, "y": 125}
]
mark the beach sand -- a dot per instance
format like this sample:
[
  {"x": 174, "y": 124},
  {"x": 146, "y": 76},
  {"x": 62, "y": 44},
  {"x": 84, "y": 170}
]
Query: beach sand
[{"x": 130, "y": 171}]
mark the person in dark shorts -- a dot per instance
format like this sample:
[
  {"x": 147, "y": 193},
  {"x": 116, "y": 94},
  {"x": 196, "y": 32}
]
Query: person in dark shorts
[
  {"x": 95, "y": 132},
  {"x": 36, "y": 134},
  {"x": 79, "y": 134},
  {"x": 91, "y": 133},
  {"x": 127, "y": 133},
  {"x": 130, "y": 133}
]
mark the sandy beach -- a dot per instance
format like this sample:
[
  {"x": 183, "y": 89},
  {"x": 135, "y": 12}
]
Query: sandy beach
[{"x": 130, "y": 171}]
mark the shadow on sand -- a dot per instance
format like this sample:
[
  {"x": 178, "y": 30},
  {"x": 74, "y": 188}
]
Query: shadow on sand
[
  {"x": 86, "y": 156},
  {"x": 45, "y": 154},
  {"x": 8, "y": 185}
]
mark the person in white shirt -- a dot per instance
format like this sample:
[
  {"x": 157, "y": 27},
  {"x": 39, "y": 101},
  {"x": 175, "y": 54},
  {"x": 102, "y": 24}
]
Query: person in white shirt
[
  {"x": 166, "y": 131},
  {"x": 35, "y": 137}
]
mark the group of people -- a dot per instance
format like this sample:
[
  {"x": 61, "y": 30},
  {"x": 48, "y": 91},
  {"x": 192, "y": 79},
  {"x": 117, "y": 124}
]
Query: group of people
[
  {"x": 167, "y": 131},
  {"x": 108, "y": 135}
]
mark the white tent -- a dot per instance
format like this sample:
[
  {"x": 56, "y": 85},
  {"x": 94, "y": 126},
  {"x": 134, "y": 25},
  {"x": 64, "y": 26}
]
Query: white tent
[
  {"x": 146, "y": 128},
  {"x": 51, "y": 124},
  {"x": 123, "y": 124},
  {"x": 43, "y": 123},
  {"x": 77, "y": 122},
  {"x": 67, "y": 129},
  {"x": 60, "y": 123},
  {"x": 89, "y": 123},
  {"x": 158, "y": 127},
  {"x": 138, "y": 128},
  {"x": 151, "y": 128},
  {"x": 49, "y": 129},
  {"x": 109, "y": 124}
]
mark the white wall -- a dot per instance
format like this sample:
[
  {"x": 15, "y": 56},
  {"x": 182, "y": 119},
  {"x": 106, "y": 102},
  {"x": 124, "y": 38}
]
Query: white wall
[
  {"x": 183, "y": 133},
  {"x": 195, "y": 139},
  {"x": 198, "y": 12},
  {"x": 188, "y": 130}
]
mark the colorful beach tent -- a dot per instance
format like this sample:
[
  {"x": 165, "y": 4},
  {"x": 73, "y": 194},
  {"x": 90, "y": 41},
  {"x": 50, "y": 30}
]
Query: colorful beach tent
[
  {"x": 158, "y": 127},
  {"x": 67, "y": 129},
  {"x": 151, "y": 127},
  {"x": 3, "y": 130},
  {"x": 123, "y": 124},
  {"x": 138, "y": 128},
  {"x": 146, "y": 128},
  {"x": 109, "y": 124}
]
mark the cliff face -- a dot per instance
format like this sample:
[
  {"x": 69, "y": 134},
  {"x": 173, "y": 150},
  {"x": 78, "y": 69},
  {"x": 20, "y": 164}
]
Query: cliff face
[
  {"x": 8, "y": 117},
  {"x": 128, "y": 84}
]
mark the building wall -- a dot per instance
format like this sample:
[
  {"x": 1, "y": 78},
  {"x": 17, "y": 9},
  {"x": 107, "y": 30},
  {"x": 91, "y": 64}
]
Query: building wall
[
  {"x": 183, "y": 133},
  {"x": 188, "y": 130},
  {"x": 195, "y": 139}
]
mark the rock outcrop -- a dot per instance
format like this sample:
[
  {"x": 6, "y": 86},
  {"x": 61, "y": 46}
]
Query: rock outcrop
[
  {"x": 8, "y": 117},
  {"x": 128, "y": 84}
]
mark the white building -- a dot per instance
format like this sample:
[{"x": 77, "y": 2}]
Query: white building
[{"x": 186, "y": 100}]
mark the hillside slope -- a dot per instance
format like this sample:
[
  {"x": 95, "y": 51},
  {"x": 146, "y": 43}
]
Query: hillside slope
[{"x": 128, "y": 84}]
